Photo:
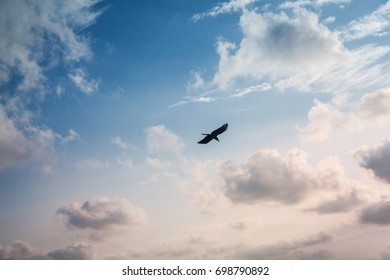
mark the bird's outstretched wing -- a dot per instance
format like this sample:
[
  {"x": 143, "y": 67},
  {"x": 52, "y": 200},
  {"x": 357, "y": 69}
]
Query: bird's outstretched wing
[
  {"x": 220, "y": 130},
  {"x": 206, "y": 139}
]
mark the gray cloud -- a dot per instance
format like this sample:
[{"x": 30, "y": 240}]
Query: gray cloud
[
  {"x": 376, "y": 159},
  {"x": 378, "y": 213},
  {"x": 17, "y": 250},
  {"x": 342, "y": 203},
  {"x": 267, "y": 176},
  {"x": 283, "y": 249},
  {"x": 103, "y": 216},
  {"x": 78, "y": 251},
  {"x": 23, "y": 250}
]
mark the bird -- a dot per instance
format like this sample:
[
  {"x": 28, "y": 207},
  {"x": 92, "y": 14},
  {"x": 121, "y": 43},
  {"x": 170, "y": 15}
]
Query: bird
[{"x": 213, "y": 135}]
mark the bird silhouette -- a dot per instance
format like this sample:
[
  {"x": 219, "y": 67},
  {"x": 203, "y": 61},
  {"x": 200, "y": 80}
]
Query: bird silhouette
[{"x": 213, "y": 135}]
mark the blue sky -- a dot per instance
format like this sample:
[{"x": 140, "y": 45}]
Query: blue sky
[{"x": 102, "y": 104}]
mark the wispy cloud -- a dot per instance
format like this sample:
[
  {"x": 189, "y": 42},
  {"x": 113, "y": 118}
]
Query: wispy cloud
[
  {"x": 375, "y": 24},
  {"x": 31, "y": 28},
  {"x": 223, "y": 8},
  {"x": 252, "y": 89},
  {"x": 80, "y": 80}
]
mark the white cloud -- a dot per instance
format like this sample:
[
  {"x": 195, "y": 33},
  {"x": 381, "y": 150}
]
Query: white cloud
[
  {"x": 376, "y": 159},
  {"x": 223, "y": 8},
  {"x": 73, "y": 135},
  {"x": 31, "y": 29},
  {"x": 324, "y": 118},
  {"x": 315, "y": 3},
  {"x": 20, "y": 141},
  {"x": 252, "y": 89},
  {"x": 117, "y": 140},
  {"x": 375, "y": 105},
  {"x": 372, "y": 109},
  {"x": 267, "y": 176},
  {"x": 103, "y": 216},
  {"x": 375, "y": 24},
  {"x": 193, "y": 99},
  {"x": 14, "y": 146},
  {"x": 277, "y": 45},
  {"x": 196, "y": 81},
  {"x": 161, "y": 140},
  {"x": 79, "y": 78}
]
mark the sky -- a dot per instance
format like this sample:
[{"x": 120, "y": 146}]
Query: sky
[{"x": 102, "y": 104}]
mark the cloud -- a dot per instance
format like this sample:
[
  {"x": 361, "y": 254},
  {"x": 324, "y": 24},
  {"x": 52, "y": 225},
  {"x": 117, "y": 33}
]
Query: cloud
[
  {"x": 161, "y": 140},
  {"x": 20, "y": 141},
  {"x": 17, "y": 250},
  {"x": 278, "y": 45},
  {"x": 23, "y": 250},
  {"x": 223, "y": 8},
  {"x": 14, "y": 146},
  {"x": 252, "y": 89},
  {"x": 80, "y": 80},
  {"x": 266, "y": 176},
  {"x": 325, "y": 118},
  {"x": 340, "y": 204},
  {"x": 315, "y": 3},
  {"x": 375, "y": 24},
  {"x": 73, "y": 135},
  {"x": 117, "y": 140},
  {"x": 79, "y": 251},
  {"x": 376, "y": 159},
  {"x": 193, "y": 99},
  {"x": 92, "y": 164},
  {"x": 375, "y": 105},
  {"x": 103, "y": 216},
  {"x": 370, "y": 110},
  {"x": 283, "y": 249},
  {"x": 386, "y": 254},
  {"x": 378, "y": 213},
  {"x": 36, "y": 38},
  {"x": 196, "y": 81},
  {"x": 33, "y": 29}
]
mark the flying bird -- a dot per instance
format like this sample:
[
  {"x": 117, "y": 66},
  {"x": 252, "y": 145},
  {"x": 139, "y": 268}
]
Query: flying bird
[{"x": 213, "y": 135}]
